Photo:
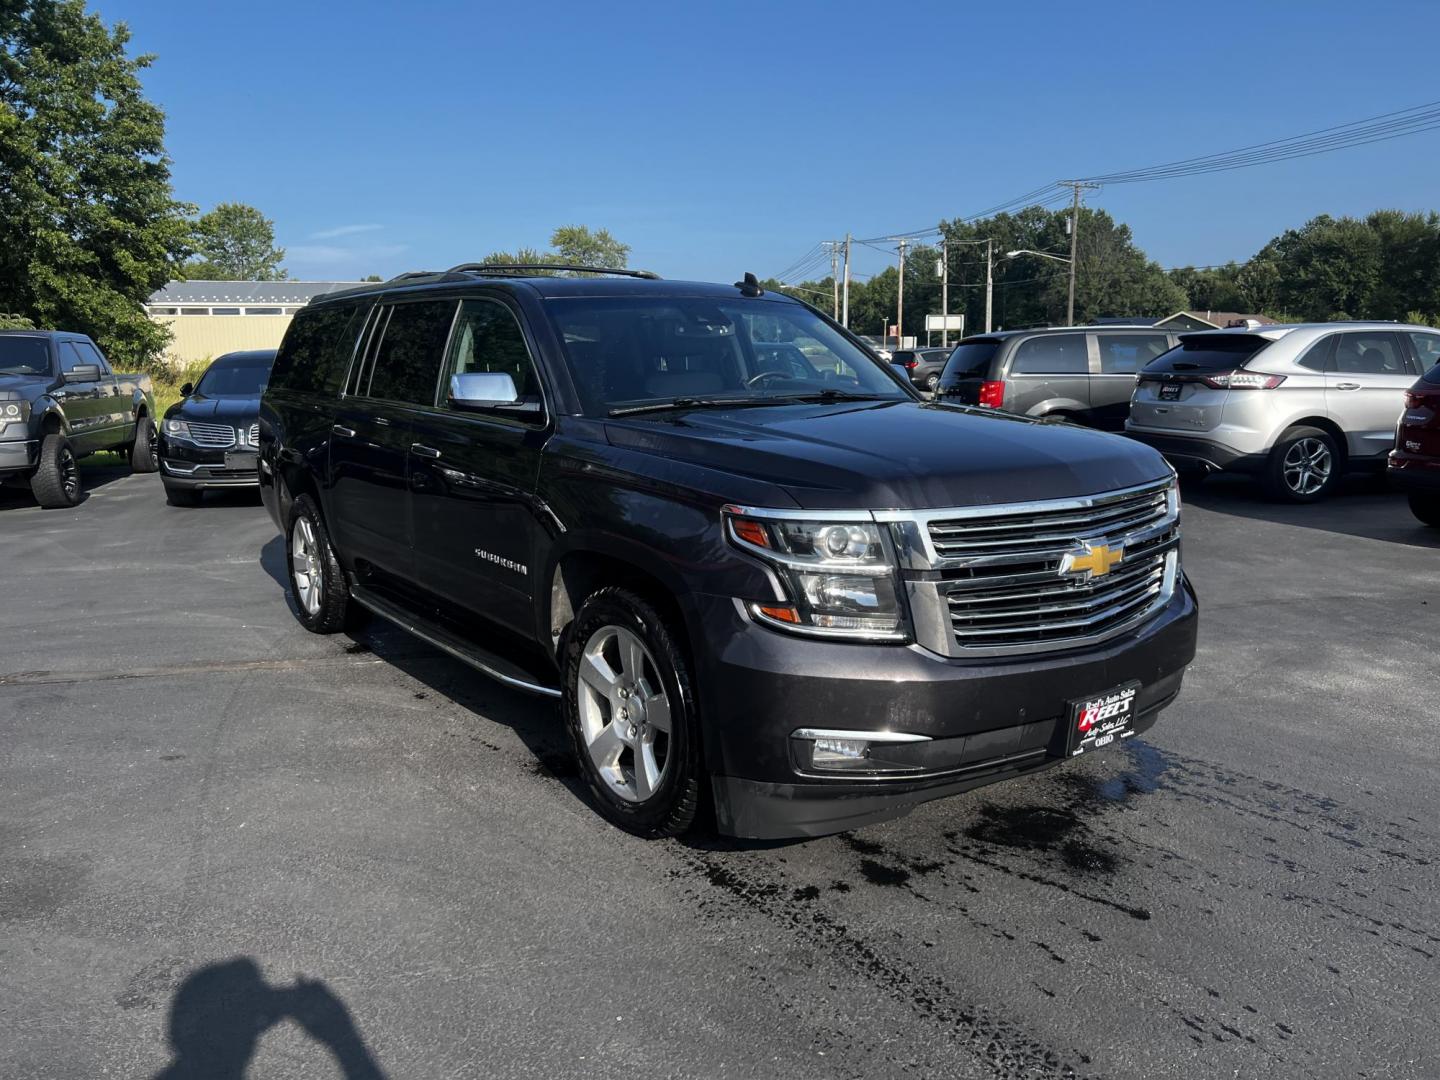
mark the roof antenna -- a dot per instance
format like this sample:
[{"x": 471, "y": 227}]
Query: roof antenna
[{"x": 750, "y": 286}]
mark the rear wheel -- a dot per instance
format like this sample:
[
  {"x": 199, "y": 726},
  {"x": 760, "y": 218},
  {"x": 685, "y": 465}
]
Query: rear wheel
[
  {"x": 932, "y": 383},
  {"x": 56, "y": 481},
  {"x": 1426, "y": 508},
  {"x": 322, "y": 597},
  {"x": 1303, "y": 467},
  {"x": 629, "y": 710},
  {"x": 144, "y": 455}
]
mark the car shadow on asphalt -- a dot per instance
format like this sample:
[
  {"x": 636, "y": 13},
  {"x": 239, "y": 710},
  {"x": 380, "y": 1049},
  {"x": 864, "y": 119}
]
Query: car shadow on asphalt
[
  {"x": 92, "y": 478},
  {"x": 220, "y": 1011},
  {"x": 1362, "y": 507}
]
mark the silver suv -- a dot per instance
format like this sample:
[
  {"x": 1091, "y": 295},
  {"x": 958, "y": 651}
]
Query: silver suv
[
  {"x": 1297, "y": 405},
  {"x": 1080, "y": 373}
]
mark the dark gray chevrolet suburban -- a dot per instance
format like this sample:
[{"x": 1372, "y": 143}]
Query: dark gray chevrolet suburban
[{"x": 752, "y": 564}]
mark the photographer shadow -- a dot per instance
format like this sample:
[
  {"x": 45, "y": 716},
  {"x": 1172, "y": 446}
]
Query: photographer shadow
[{"x": 220, "y": 1012}]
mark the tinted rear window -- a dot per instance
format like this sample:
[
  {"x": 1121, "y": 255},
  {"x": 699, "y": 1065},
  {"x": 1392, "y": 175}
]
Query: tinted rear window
[
  {"x": 1433, "y": 375},
  {"x": 1058, "y": 354},
  {"x": 316, "y": 351},
  {"x": 969, "y": 360},
  {"x": 1212, "y": 352}
]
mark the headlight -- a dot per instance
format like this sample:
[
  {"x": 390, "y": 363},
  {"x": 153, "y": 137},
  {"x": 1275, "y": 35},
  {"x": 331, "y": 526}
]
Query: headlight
[
  {"x": 13, "y": 412},
  {"x": 177, "y": 429},
  {"x": 839, "y": 575}
]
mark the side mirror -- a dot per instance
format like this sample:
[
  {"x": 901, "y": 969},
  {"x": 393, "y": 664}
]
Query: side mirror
[
  {"x": 482, "y": 390},
  {"x": 186, "y": 389},
  {"x": 83, "y": 373}
]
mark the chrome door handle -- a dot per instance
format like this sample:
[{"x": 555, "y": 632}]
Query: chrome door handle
[
  {"x": 340, "y": 429},
  {"x": 1347, "y": 386},
  {"x": 423, "y": 450}
]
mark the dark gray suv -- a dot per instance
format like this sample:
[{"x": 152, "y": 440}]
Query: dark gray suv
[{"x": 1080, "y": 373}]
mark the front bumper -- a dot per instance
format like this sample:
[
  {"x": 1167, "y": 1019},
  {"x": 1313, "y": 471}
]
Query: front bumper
[
  {"x": 19, "y": 455},
  {"x": 1183, "y": 450},
  {"x": 989, "y": 719},
  {"x": 185, "y": 466}
]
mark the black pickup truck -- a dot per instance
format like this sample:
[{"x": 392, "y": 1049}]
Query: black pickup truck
[
  {"x": 59, "y": 401},
  {"x": 750, "y": 562}
]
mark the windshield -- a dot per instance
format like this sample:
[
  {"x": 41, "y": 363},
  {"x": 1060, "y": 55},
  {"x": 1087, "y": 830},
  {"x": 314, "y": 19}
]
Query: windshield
[
  {"x": 634, "y": 351},
  {"x": 240, "y": 379},
  {"x": 24, "y": 356},
  {"x": 1207, "y": 352}
]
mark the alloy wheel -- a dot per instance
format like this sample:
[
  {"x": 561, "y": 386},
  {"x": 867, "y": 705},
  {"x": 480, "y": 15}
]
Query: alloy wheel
[
  {"x": 305, "y": 565},
  {"x": 153, "y": 444},
  {"x": 1307, "y": 466},
  {"x": 624, "y": 713},
  {"x": 69, "y": 474}
]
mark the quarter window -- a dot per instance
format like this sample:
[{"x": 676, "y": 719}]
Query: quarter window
[
  {"x": 487, "y": 338},
  {"x": 317, "y": 347},
  {"x": 407, "y": 362},
  {"x": 1053, "y": 354},
  {"x": 1126, "y": 354},
  {"x": 1427, "y": 349},
  {"x": 1370, "y": 354}
]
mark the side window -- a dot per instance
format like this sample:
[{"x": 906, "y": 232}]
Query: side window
[
  {"x": 91, "y": 355},
  {"x": 487, "y": 338},
  {"x": 1427, "y": 349},
  {"x": 1375, "y": 353},
  {"x": 316, "y": 351},
  {"x": 1126, "y": 354},
  {"x": 407, "y": 361},
  {"x": 71, "y": 356},
  {"x": 1053, "y": 354},
  {"x": 1317, "y": 357}
]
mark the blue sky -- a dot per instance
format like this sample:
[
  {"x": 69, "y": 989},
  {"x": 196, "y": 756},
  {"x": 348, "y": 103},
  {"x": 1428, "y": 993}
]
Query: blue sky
[{"x": 717, "y": 138}]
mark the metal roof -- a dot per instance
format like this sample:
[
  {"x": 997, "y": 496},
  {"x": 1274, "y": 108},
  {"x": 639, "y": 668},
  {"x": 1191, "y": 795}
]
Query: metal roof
[{"x": 246, "y": 292}]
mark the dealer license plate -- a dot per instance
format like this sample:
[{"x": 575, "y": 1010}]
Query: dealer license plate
[
  {"x": 241, "y": 460},
  {"x": 1170, "y": 391},
  {"x": 1103, "y": 720}
]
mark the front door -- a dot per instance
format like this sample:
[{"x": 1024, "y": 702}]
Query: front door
[
  {"x": 372, "y": 432},
  {"x": 87, "y": 403},
  {"x": 473, "y": 475},
  {"x": 1365, "y": 382}
]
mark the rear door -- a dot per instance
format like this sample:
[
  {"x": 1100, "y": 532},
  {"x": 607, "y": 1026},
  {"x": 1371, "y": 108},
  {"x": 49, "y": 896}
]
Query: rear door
[
  {"x": 1049, "y": 373},
  {"x": 372, "y": 432},
  {"x": 473, "y": 475},
  {"x": 1119, "y": 359},
  {"x": 1365, "y": 383},
  {"x": 119, "y": 406}
]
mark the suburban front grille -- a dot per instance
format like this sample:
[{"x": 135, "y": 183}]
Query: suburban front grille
[
  {"x": 254, "y": 437},
  {"x": 1005, "y": 581},
  {"x": 211, "y": 434}
]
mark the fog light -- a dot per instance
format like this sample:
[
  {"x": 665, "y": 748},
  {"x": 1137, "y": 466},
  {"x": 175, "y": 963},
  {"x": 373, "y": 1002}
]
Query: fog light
[
  {"x": 839, "y": 752},
  {"x": 866, "y": 752}
]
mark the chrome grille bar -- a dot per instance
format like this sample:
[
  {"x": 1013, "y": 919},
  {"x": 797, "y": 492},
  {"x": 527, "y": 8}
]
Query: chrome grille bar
[{"x": 211, "y": 435}]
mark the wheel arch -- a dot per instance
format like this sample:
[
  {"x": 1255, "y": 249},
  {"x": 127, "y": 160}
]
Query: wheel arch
[
  {"x": 1325, "y": 424},
  {"x": 578, "y": 571}
]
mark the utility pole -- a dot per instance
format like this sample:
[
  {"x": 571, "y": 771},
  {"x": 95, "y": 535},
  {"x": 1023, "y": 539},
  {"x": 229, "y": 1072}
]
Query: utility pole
[
  {"x": 989, "y": 280},
  {"x": 1075, "y": 185},
  {"x": 900, "y": 299},
  {"x": 834, "y": 281},
  {"x": 845, "y": 309},
  {"x": 944, "y": 295}
]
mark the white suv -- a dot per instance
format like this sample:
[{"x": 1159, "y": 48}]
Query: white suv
[{"x": 1297, "y": 405}]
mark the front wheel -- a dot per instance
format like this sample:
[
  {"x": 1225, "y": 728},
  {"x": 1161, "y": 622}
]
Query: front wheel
[
  {"x": 318, "y": 584},
  {"x": 1304, "y": 467},
  {"x": 932, "y": 383},
  {"x": 1426, "y": 508},
  {"x": 630, "y": 712},
  {"x": 56, "y": 481},
  {"x": 144, "y": 454}
]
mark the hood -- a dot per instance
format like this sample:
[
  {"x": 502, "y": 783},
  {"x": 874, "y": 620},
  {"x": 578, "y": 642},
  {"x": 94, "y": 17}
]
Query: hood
[
  {"x": 25, "y": 386},
  {"x": 238, "y": 411},
  {"x": 895, "y": 455}
]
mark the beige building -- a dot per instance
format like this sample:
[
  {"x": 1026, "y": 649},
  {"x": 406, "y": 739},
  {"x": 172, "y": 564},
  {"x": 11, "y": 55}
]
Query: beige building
[{"x": 209, "y": 318}]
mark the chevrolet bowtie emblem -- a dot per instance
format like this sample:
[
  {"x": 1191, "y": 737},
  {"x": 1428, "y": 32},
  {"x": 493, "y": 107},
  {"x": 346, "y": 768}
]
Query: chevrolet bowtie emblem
[{"x": 1092, "y": 560}]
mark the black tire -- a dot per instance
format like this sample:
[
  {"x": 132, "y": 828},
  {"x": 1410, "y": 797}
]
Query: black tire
[
  {"x": 1287, "y": 477},
  {"x": 178, "y": 496},
  {"x": 144, "y": 456},
  {"x": 932, "y": 383},
  {"x": 1426, "y": 508},
  {"x": 56, "y": 480},
  {"x": 670, "y": 807},
  {"x": 324, "y": 611}
]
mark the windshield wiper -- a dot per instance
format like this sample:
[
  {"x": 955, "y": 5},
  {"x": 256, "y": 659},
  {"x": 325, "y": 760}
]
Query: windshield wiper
[
  {"x": 695, "y": 403},
  {"x": 843, "y": 395}
]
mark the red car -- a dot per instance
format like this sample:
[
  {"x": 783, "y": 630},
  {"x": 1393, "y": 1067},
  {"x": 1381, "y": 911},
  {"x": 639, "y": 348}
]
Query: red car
[{"x": 1415, "y": 461}]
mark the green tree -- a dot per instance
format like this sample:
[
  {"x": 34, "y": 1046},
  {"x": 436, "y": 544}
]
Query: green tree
[
  {"x": 89, "y": 227},
  {"x": 577, "y": 244},
  {"x": 235, "y": 242},
  {"x": 1329, "y": 268}
]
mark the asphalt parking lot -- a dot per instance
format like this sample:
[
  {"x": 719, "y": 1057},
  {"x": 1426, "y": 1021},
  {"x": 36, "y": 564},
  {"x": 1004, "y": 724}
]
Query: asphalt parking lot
[{"x": 225, "y": 841}]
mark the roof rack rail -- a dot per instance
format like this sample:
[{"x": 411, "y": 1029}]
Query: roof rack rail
[
  {"x": 413, "y": 274},
  {"x": 574, "y": 268}
]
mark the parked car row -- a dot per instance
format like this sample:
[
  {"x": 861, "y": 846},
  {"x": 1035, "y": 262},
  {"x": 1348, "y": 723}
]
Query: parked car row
[{"x": 1297, "y": 406}]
